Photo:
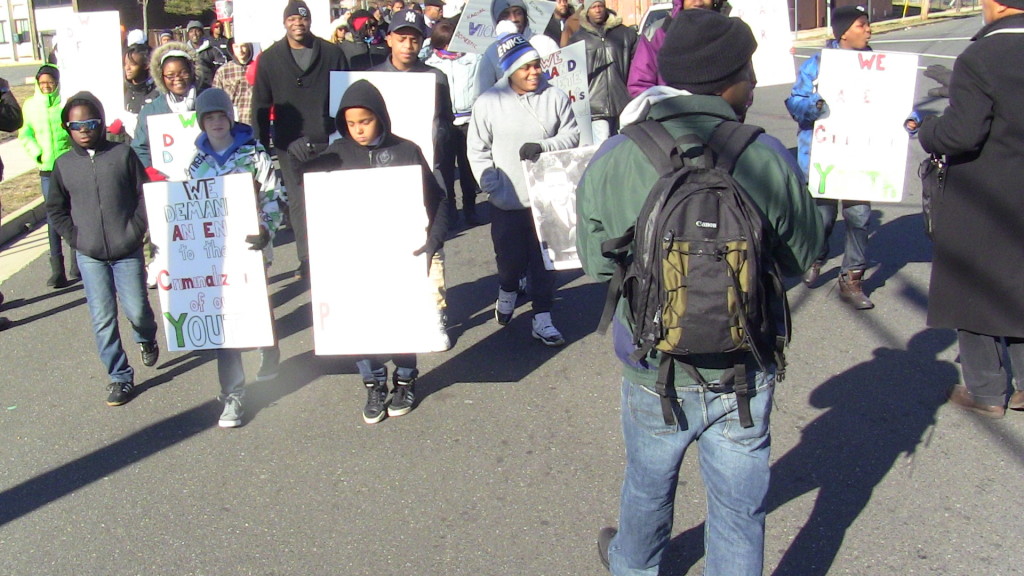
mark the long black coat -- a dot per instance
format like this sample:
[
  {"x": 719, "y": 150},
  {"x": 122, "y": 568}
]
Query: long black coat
[{"x": 977, "y": 279}]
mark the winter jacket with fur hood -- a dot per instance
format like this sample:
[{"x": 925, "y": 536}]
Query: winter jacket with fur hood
[{"x": 609, "y": 54}]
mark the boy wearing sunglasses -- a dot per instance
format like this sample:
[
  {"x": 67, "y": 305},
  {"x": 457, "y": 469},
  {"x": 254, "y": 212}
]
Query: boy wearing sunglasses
[{"x": 96, "y": 205}]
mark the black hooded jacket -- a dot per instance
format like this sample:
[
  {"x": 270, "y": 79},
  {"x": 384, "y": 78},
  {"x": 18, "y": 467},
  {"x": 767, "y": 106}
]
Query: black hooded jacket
[
  {"x": 95, "y": 201},
  {"x": 347, "y": 154}
]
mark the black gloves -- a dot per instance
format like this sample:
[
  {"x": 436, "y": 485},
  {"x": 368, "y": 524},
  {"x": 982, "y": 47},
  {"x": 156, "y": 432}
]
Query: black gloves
[
  {"x": 258, "y": 241},
  {"x": 940, "y": 74},
  {"x": 302, "y": 150},
  {"x": 530, "y": 151}
]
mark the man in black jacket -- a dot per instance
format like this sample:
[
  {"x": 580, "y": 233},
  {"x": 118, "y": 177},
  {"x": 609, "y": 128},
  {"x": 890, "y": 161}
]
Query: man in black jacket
[
  {"x": 610, "y": 47},
  {"x": 980, "y": 292},
  {"x": 294, "y": 79},
  {"x": 10, "y": 120}
]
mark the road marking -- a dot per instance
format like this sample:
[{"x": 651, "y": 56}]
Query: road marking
[{"x": 964, "y": 39}]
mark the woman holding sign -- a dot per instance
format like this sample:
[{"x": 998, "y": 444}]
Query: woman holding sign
[{"x": 174, "y": 72}]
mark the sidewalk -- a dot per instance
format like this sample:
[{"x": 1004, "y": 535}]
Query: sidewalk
[{"x": 18, "y": 255}]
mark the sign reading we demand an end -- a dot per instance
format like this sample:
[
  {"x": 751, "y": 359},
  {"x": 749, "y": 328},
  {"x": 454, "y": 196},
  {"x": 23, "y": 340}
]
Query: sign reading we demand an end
[
  {"x": 859, "y": 147},
  {"x": 213, "y": 290}
]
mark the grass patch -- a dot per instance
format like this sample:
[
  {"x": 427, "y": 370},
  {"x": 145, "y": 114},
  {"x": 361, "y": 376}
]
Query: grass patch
[{"x": 17, "y": 192}]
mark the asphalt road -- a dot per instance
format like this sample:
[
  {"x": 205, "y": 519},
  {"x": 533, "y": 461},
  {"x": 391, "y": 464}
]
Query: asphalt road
[{"x": 513, "y": 459}]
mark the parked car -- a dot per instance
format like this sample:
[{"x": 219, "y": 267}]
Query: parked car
[{"x": 653, "y": 18}]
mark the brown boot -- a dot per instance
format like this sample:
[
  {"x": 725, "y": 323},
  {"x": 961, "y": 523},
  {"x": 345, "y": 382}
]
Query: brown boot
[
  {"x": 1017, "y": 400},
  {"x": 851, "y": 290},
  {"x": 812, "y": 274}
]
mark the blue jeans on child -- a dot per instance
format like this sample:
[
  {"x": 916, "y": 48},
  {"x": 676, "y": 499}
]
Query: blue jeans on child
[
  {"x": 372, "y": 369},
  {"x": 106, "y": 282},
  {"x": 733, "y": 465}
]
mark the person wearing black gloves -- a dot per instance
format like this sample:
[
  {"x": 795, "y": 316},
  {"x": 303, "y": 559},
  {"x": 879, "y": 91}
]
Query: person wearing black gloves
[
  {"x": 367, "y": 142},
  {"x": 517, "y": 119}
]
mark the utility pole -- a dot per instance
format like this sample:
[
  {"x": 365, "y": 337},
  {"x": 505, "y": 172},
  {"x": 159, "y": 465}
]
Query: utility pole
[
  {"x": 14, "y": 41},
  {"x": 33, "y": 33}
]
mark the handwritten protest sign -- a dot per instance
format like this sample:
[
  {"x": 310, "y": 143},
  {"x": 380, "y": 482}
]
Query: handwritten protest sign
[
  {"x": 859, "y": 147},
  {"x": 213, "y": 290},
  {"x": 90, "y": 58},
  {"x": 769, "y": 21},
  {"x": 475, "y": 30},
  {"x": 551, "y": 182},
  {"x": 567, "y": 69},
  {"x": 378, "y": 300},
  {"x": 411, "y": 118},
  {"x": 262, "y": 20},
  {"x": 172, "y": 142}
]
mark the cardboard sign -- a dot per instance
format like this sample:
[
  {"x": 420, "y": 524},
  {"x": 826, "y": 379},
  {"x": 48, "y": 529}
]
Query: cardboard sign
[
  {"x": 567, "y": 69},
  {"x": 769, "y": 21},
  {"x": 90, "y": 58},
  {"x": 263, "y": 20},
  {"x": 859, "y": 147},
  {"x": 475, "y": 30},
  {"x": 379, "y": 299},
  {"x": 172, "y": 142},
  {"x": 551, "y": 182},
  {"x": 213, "y": 288},
  {"x": 411, "y": 118}
]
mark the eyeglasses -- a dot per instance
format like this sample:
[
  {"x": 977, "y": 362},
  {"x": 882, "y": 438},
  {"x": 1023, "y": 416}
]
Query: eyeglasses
[
  {"x": 183, "y": 75},
  {"x": 91, "y": 124}
]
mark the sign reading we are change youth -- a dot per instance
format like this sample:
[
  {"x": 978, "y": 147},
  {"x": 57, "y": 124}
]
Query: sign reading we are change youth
[
  {"x": 475, "y": 30},
  {"x": 172, "y": 142},
  {"x": 859, "y": 147},
  {"x": 380, "y": 299},
  {"x": 213, "y": 290}
]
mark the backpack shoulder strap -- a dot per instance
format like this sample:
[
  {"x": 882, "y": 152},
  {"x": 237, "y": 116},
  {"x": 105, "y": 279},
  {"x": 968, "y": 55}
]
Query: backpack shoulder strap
[
  {"x": 657, "y": 144},
  {"x": 729, "y": 139}
]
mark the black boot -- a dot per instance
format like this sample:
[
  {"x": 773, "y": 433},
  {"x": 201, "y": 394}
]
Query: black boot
[
  {"x": 57, "y": 278},
  {"x": 73, "y": 274}
]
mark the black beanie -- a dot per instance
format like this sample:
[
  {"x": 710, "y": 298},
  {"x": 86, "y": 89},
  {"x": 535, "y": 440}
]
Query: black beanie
[
  {"x": 844, "y": 17},
  {"x": 48, "y": 69},
  {"x": 296, "y": 8},
  {"x": 703, "y": 50}
]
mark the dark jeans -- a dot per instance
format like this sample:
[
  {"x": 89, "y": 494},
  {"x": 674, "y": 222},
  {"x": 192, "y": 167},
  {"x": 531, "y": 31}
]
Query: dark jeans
[
  {"x": 296, "y": 203},
  {"x": 372, "y": 369},
  {"x": 856, "y": 216},
  {"x": 985, "y": 373},
  {"x": 55, "y": 246},
  {"x": 456, "y": 154},
  {"x": 517, "y": 252}
]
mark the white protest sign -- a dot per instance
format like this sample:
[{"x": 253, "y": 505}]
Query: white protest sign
[
  {"x": 567, "y": 69},
  {"x": 411, "y": 118},
  {"x": 172, "y": 142},
  {"x": 380, "y": 299},
  {"x": 90, "y": 58},
  {"x": 213, "y": 289},
  {"x": 475, "y": 30},
  {"x": 551, "y": 182},
  {"x": 263, "y": 20},
  {"x": 769, "y": 21},
  {"x": 859, "y": 148}
]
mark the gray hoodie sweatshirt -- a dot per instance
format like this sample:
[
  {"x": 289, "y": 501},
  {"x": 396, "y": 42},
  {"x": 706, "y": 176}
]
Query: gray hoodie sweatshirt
[{"x": 502, "y": 122}]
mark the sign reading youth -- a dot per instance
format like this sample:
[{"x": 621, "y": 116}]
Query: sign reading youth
[
  {"x": 172, "y": 142},
  {"x": 859, "y": 147},
  {"x": 213, "y": 289}
]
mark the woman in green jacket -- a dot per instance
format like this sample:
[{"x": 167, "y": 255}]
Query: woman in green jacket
[{"x": 44, "y": 140}]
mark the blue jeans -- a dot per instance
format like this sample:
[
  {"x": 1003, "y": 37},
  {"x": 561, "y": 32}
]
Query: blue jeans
[
  {"x": 105, "y": 283},
  {"x": 856, "y": 216},
  {"x": 733, "y": 466},
  {"x": 372, "y": 369}
]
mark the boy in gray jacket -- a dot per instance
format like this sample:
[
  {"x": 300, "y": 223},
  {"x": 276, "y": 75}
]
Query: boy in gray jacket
[{"x": 517, "y": 119}]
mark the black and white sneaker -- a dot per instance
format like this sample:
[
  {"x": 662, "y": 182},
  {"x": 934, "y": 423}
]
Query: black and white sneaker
[
  {"x": 150, "y": 352},
  {"x": 504, "y": 307},
  {"x": 402, "y": 398},
  {"x": 120, "y": 393},
  {"x": 545, "y": 331},
  {"x": 376, "y": 393}
]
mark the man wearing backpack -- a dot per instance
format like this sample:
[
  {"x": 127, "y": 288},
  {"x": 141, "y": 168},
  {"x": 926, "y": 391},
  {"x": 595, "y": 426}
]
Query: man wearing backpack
[{"x": 706, "y": 64}]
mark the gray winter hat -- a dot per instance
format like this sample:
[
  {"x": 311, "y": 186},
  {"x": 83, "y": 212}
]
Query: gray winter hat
[
  {"x": 194, "y": 24},
  {"x": 214, "y": 100}
]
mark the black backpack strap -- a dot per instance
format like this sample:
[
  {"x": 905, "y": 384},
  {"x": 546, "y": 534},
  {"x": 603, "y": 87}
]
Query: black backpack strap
[
  {"x": 729, "y": 139},
  {"x": 741, "y": 386},
  {"x": 657, "y": 144},
  {"x": 616, "y": 250},
  {"x": 664, "y": 383}
]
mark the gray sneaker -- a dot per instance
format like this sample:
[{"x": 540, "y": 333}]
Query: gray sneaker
[{"x": 231, "y": 417}]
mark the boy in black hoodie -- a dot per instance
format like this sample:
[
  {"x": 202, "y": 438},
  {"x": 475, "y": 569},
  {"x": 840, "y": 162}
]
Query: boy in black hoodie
[
  {"x": 96, "y": 205},
  {"x": 367, "y": 142}
]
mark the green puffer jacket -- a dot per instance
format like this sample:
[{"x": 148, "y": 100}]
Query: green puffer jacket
[
  {"x": 42, "y": 135},
  {"x": 616, "y": 183}
]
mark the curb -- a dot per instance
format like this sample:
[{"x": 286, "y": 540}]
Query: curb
[
  {"x": 813, "y": 36},
  {"x": 22, "y": 220}
]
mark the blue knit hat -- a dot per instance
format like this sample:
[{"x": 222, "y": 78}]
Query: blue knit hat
[{"x": 513, "y": 52}]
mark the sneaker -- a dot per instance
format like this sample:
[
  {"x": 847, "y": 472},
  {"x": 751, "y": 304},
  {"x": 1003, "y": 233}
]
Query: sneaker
[
  {"x": 150, "y": 352},
  {"x": 545, "y": 331},
  {"x": 376, "y": 392},
  {"x": 504, "y": 307},
  {"x": 120, "y": 393},
  {"x": 151, "y": 276},
  {"x": 402, "y": 399},
  {"x": 302, "y": 272},
  {"x": 270, "y": 363},
  {"x": 604, "y": 539},
  {"x": 231, "y": 417}
]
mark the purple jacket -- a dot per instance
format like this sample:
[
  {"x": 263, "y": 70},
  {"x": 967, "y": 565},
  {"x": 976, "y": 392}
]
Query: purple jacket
[{"x": 643, "y": 71}]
